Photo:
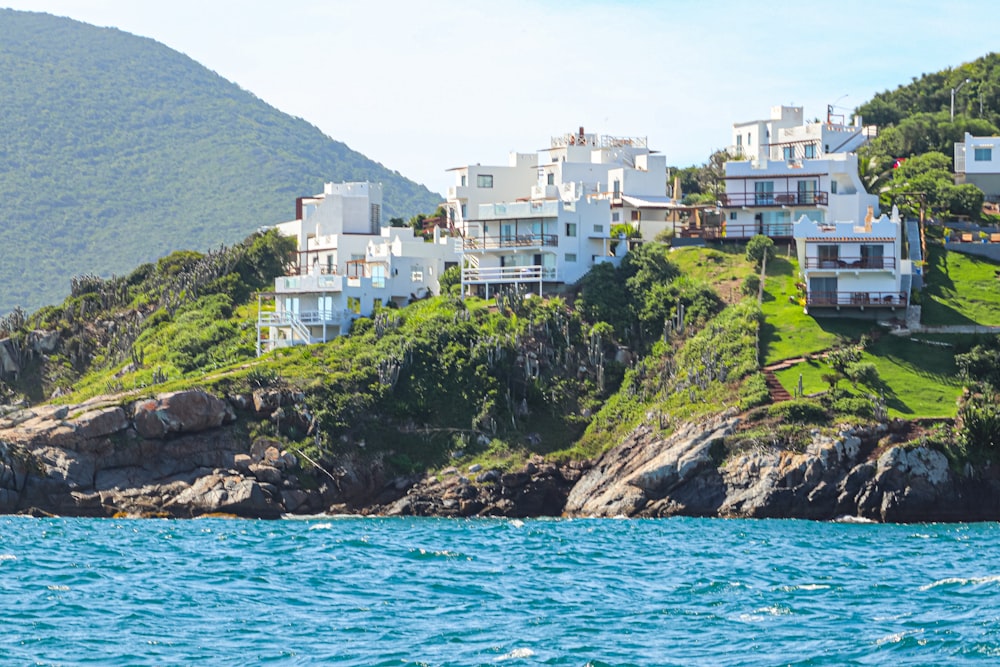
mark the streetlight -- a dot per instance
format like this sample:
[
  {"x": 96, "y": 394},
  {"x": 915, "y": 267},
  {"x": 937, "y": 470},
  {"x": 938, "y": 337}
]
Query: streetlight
[{"x": 953, "y": 91}]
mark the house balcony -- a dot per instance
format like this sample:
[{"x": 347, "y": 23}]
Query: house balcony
[
  {"x": 306, "y": 317},
  {"x": 852, "y": 263},
  {"x": 771, "y": 199},
  {"x": 507, "y": 274},
  {"x": 506, "y": 241},
  {"x": 857, "y": 299},
  {"x": 311, "y": 282},
  {"x": 730, "y": 231}
]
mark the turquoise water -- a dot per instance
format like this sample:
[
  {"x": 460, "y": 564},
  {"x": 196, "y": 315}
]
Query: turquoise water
[{"x": 361, "y": 591}]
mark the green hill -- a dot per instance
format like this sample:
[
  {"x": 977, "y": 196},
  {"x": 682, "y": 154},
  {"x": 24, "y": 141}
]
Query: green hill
[{"x": 116, "y": 150}]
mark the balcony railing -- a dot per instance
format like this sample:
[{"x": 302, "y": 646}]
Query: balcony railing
[
  {"x": 307, "y": 317},
  {"x": 507, "y": 274},
  {"x": 748, "y": 230},
  {"x": 851, "y": 263},
  {"x": 857, "y": 299},
  {"x": 752, "y": 199},
  {"x": 509, "y": 241}
]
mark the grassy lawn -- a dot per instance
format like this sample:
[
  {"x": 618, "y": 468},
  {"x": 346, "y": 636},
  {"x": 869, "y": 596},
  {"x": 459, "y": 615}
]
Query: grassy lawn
[
  {"x": 922, "y": 378},
  {"x": 788, "y": 331},
  {"x": 960, "y": 289}
]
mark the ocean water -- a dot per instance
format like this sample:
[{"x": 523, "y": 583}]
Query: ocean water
[{"x": 374, "y": 591}]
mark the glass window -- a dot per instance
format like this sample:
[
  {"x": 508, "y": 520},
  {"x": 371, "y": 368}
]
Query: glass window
[
  {"x": 464, "y": 180},
  {"x": 789, "y": 152},
  {"x": 833, "y": 187},
  {"x": 763, "y": 193},
  {"x": 571, "y": 257},
  {"x": 732, "y": 215},
  {"x": 617, "y": 189},
  {"x": 616, "y": 217},
  {"x": 599, "y": 229},
  {"x": 983, "y": 155},
  {"x": 570, "y": 229},
  {"x": 378, "y": 275},
  {"x": 484, "y": 181},
  {"x": 551, "y": 180}
]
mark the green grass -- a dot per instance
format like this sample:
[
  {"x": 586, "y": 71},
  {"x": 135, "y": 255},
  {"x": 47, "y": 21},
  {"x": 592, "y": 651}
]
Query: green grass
[
  {"x": 724, "y": 267},
  {"x": 922, "y": 378},
  {"x": 960, "y": 289},
  {"x": 788, "y": 331}
]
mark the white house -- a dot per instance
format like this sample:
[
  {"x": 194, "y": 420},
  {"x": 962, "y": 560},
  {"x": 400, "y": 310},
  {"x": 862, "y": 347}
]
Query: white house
[
  {"x": 546, "y": 218},
  {"x": 348, "y": 264},
  {"x": 792, "y": 170},
  {"x": 977, "y": 161},
  {"x": 851, "y": 265}
]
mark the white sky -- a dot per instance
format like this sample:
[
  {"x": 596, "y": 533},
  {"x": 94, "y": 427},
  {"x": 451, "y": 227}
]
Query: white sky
[{"x": 422, "y": 85}]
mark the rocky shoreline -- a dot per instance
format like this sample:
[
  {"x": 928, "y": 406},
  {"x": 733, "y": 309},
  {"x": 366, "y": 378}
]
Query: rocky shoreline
[{"x": 185, "y": 455}]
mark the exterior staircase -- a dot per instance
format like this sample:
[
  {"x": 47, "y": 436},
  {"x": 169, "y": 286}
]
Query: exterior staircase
[{"x": 778, "y": 393}]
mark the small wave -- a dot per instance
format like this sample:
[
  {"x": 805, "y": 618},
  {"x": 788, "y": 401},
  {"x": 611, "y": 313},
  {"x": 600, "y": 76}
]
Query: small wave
[
  {"x": 421, "y": 554},
  {"x": 516, "y": 654},
  {"x": 58, "y": 588},
  {"x": 960, "y": 581},
  {"x": 321, "y": 526},
  {"x": 4, "y": 557},
  {"x": 517, "y": 523},
  {"x": 907, "y": 636},
  {"x": 852, "y": 519}
]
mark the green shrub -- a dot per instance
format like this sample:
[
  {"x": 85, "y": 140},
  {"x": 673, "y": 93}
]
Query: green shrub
[
  {"x": 751, "y": 285},
  {"x": 753, "y": 391},
  {"x": 802, "y": 411}
]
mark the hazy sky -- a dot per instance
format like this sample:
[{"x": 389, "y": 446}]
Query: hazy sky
[{"x": 422, "y": 86}]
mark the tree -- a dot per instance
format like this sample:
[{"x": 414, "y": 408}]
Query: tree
[{"x": 758, "y": 247}]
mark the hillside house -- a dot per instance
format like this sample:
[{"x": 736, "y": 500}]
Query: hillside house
[
  {"x": 977, "y": 161},
  {"x": 846, "y": 265},
  {"x": 545, "y": 219},
  {"x": 783, "y": 169},
  {"x": 348, "y": 264}
]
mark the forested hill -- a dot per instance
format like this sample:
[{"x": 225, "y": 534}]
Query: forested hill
[
  {"x": 931, "y": 93},
  {"x": 116, "y": 150},
  {"x": 916, "y": 118}
]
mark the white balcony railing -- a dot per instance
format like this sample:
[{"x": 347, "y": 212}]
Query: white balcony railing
[{"x": 309, "y": 283}]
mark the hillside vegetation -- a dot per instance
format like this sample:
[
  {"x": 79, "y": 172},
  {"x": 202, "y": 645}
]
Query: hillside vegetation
[{"x": 117, "y": 150}]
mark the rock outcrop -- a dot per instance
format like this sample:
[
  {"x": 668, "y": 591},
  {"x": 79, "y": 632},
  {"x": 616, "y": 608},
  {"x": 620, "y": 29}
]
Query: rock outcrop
[
  {"x": 173, "y": 455},
  {"x": 182, "y": 455},
  {"x": 857, "y": 473}
]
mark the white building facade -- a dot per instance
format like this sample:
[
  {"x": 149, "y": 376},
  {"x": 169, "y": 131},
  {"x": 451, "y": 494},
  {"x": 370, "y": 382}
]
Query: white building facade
[
  {"x": 348, "y": 264},
  {"x": 977, "y": 161},
  {"x": 792, "y": 170},
  {"x": 846, "y": 265},
  {"x": 546, "y": 218}
]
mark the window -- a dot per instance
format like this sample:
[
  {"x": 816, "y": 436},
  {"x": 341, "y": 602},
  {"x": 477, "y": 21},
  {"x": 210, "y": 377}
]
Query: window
[
  {"x": 417, "y": 274},
  {"x": 570, "y": 257},
  {"x": 570, "y": 229},
  {"x": 616, "y": 217},
  {"x": 983, "y": 154},
  {"x": 465, "y": 180},
  {"x": 823, "y": 290},
  {"x": 807, "y": 192},
  {"x": 763, "y": 193},
  {"x": 635, "y": 216},
  {"x": 463, "y": 212},
  {"x": 617, "y": 189},
  {"x": 788, "y": 152},
  {"x": 833, "y": 187},
  {"x": 748, "y": 139},
  {"x": 330, "y": 266},
  {"x": 828, "y": 255},
  {"x": 599, "y": 229},
  {"x": 375, "y": 215},
  {"x": 810, "y": 150},
  {"x": 551, "y": 179},
  {"x": 872, "y": 256},
  {"x": 484, "y": 181},
  {"x": 732, "y": 215},
  {"x": 739, "y": 140},
  {"x": 378, "y": 276}
]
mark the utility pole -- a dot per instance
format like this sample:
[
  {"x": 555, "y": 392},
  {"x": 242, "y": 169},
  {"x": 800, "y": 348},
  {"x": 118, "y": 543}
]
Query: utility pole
[{"x": 953, "y": 91}]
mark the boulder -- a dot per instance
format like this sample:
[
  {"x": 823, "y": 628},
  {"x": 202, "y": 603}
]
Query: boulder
[{"x": 180, "y": 412}]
